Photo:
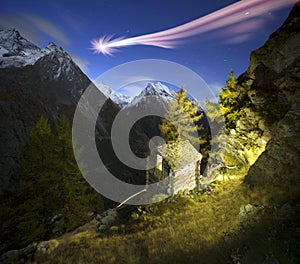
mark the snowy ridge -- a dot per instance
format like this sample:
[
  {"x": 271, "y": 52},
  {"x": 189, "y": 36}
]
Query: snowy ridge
[
  {"x": 118, "y": 98},
  {"x": 158, "y": 90},
  {"x": 16, "y": 51}
]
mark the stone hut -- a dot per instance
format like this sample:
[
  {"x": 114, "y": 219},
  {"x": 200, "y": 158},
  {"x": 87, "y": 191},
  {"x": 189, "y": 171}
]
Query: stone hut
[{"x": 181, "y": 161}]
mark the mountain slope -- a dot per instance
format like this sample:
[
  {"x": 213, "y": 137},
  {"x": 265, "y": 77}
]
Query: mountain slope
[{"x": 34, "y": 82}]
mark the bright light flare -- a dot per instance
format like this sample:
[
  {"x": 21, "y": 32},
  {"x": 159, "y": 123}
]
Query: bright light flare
[
  {"x": 228, "y": 16},
  {"x": 103, "y": 45}
]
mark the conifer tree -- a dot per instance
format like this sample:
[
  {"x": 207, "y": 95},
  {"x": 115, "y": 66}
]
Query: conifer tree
[
  {"x": 214, "y": 113},
  {"x": 75, "y": 195},
  {"x": 36, "y": 191},
  {"x": 182, "y": 120},
  {"x": 229, "y": 100},
  {"x": 51, "y": 184}
]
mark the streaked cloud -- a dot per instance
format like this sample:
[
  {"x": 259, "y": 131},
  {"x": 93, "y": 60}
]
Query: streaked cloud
[
  {"x": 72, "y": 22},
  {"x": 240, "y": 38},
  {"x": 31, "y": 25},
  {"x": 25, "y": 28},
  {"x": 242, "y": 32},
  {"x": 47, "y": 27},
  {"x": 82, "y": 63}
]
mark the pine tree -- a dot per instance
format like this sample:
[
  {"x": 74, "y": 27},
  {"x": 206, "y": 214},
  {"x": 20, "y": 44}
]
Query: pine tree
[
  {"x": 228, "y": 150},
  {"x": 35, "y": 186},
  {"x": 229, "y": 101},
  {"x": 75, "y": 194},
  {"x": 214, "y": 114},
  {"x": 51, "y": 184},
  {"x": 182, "y": 120}
]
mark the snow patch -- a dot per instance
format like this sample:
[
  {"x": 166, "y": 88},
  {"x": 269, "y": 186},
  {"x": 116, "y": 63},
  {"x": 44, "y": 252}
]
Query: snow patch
[
  {"x": 16, "y": 51},
  {"x": 118, "y": 98}
]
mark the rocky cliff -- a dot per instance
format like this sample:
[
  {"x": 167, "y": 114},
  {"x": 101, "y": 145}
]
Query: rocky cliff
[{"x": 273, "y": 80}]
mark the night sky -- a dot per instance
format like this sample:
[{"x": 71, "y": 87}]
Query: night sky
[{"x": 73, "y": 24}]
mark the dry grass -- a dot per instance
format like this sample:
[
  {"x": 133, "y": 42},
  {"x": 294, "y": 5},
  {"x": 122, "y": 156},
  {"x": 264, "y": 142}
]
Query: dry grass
[{"x": 206, "y": 228}]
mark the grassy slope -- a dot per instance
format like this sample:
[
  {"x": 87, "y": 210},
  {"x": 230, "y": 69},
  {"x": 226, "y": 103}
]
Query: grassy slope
[{"x": 205, "y": 228}]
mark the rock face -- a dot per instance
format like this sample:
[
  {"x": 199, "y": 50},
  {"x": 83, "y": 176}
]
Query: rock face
[
  {"x": 34, "y": 82},
  {"x": 274, "y": 79}
]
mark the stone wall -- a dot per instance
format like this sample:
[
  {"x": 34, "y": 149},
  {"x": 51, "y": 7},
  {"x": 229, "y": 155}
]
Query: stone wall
[{"x": 183, "y": 179}]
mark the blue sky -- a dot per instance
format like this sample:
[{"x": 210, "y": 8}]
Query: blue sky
[{"x": 73, "y": 24}]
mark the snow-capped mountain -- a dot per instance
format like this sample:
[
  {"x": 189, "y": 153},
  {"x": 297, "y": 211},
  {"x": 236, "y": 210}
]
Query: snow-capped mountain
[
  {"x": 16, "y": 51},
  {"x": 118, "y": 98},
  {"x": 35, "y": 82},
  {"x": 158, "y": 90}
]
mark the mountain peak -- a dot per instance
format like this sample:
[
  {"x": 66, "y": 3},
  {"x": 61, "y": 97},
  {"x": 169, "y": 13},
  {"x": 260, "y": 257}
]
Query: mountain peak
[
  {"x": 12, "y": 41},
  {"x": 157, "y": 89},
  {"x": 53, "y": 47},
  {"x": 10, "y": 34},
  {"x": 16, "y": 51}
]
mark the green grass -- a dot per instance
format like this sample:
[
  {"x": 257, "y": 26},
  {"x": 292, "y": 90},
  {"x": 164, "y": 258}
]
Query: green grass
[{"x": 194, "y": 228}]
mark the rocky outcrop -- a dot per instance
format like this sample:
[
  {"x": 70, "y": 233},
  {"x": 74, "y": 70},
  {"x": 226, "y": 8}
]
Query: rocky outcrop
[
  {"x": 274, "y": 93},
  {"x": 27, "y": 254}
]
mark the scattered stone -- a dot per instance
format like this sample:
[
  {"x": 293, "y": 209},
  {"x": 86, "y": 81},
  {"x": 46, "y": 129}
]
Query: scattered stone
[
  {"x": 248, "y": 209},
  {"x": 110, "y": 218},
  {"x": 90, "y": 214},
  {"x": 271, "y": 261},
  {"x": 135, "y": 216},
  {"x": 106, "y": 219},
  {"x": 114, "y": 229},
  {"x": 56, "y": 223},
  {"x": 28, "y": 251},
  {"x": 102, "y": 228},
  {"x": 55, "y": 218},
  {"x": 15, "y": 256},
  {"x": 10, "y": 255},
  {"x": 47, "y": 246}
]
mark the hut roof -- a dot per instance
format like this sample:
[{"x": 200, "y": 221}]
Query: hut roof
[{"x": 179, "y": 154}]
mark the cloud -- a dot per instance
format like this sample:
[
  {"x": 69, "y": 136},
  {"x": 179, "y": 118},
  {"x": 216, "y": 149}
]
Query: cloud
[
  {"x": 243, "y": 31},
  {"x": 71, "y": 21},
  {"x": 24, "y": 27},
  {"x": 47, "y": 27},
  {"x": 30, "y": 25},
  {"x": 238, "y": 39},
  {"x": 82, "y": 63}
]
